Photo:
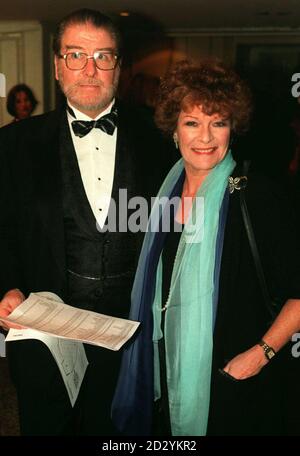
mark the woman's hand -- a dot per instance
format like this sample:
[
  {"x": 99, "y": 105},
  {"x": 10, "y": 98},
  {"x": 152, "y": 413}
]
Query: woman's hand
[
  {"x": 10, "y": 301},
  {"x": 247, "y": 364}
]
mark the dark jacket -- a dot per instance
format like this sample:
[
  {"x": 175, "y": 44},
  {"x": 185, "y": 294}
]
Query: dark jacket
[
  {"x": 31, "y": 217},
  {"x": 33, "y": 248},
  {"x": 258, "y": 405}
]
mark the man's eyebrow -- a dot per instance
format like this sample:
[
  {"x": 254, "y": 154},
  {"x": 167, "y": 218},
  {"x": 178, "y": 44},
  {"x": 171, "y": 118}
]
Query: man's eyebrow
[{"x": 75, "y": 46}]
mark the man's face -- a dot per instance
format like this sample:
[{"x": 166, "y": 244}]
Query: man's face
[{"x": 90, "y": 90}]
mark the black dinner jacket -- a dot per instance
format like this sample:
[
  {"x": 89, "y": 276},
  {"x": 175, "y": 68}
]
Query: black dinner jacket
[{"x": 31, "y": 212}]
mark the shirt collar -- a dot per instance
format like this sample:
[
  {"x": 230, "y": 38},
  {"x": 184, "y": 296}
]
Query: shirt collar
[{"x": 81, "y": 116}]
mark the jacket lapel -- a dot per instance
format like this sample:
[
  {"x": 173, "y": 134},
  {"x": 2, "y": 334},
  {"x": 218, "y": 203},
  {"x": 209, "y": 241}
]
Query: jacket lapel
[
  {"x": 74, "y": 192},
  {"x": 230, "y": 265},
  {"x": 48, "y": 191}
]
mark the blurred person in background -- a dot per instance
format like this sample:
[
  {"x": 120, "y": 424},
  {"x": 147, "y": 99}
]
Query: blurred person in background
[{"x": 21, "y": 102}]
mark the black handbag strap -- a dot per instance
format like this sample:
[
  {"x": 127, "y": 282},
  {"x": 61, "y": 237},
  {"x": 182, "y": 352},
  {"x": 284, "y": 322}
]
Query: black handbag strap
[{"x": 253, "y": 246}]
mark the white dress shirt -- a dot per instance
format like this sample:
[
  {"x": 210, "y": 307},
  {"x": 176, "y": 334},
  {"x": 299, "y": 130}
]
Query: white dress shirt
[{"x": 96, "y": 153}]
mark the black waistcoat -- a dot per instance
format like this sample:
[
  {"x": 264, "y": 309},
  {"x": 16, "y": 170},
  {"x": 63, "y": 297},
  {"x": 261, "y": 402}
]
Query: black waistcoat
[{"x": 102, "y": 263}]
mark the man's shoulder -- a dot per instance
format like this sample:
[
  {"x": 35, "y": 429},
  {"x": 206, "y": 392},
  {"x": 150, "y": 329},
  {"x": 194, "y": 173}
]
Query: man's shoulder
[
  {"x": 145, "y": 142},
  {"x": 135, "y": 116},
  {"x": 32, "y": 125}
]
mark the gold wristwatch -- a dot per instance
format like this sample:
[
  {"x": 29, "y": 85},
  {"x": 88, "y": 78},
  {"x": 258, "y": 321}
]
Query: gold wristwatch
[{"x": 269, "y": 351}]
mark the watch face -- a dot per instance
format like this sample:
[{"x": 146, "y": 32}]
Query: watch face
[{"x": 270, "y": 353}]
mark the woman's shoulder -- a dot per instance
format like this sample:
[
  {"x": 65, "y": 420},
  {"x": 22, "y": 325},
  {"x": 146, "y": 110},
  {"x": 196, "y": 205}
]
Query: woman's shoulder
[
  {"x": 269, "y": 199},
  {"x": 261, "y": 186}
]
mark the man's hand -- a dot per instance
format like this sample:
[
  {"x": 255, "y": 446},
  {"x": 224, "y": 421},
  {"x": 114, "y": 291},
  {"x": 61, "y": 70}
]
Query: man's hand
[
  {"x": 246, "y": 364},
  {"x": 10, "y": 301}
]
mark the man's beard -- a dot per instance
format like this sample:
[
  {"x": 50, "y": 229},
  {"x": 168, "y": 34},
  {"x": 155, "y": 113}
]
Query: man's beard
[{"x": 92, "y": 103}]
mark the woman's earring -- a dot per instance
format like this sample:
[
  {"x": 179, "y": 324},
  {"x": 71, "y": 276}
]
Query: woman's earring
[{"x": 175, "y": 137}]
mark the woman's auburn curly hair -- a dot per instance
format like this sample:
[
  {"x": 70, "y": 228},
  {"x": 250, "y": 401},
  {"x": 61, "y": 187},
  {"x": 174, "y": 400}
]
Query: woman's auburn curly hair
[{"x": 211, "y": 84}]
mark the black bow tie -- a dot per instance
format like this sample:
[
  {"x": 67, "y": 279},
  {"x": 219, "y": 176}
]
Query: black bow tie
[{"x": 106, "y": 123}]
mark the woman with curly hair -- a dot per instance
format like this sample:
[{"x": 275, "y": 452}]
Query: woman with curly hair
[{"x": 207, "y": 359}]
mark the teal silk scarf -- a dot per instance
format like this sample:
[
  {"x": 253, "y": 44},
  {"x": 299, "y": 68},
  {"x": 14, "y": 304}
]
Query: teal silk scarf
[{"x": 188, "y": 320}]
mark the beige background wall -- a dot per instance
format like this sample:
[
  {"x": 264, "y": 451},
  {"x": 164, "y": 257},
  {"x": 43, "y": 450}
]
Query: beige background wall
[
  {"x": 21, "y": 60},
  {"x": 26, "y": 56},
  {"x": 198, "y": 44}
]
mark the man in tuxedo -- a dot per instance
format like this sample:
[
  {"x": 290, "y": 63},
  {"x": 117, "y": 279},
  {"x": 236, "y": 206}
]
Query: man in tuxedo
[{"x": 58, "y": 173}]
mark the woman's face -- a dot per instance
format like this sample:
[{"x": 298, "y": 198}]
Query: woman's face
[
  {"x": 203, "y": 140},
  {"x": 23, "y": 106}
]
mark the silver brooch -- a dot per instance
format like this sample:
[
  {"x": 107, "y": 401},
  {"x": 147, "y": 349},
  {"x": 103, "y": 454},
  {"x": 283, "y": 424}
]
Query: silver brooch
[{"x": 237, "y": 183}]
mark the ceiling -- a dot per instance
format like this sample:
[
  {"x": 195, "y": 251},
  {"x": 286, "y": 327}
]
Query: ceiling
[{"x": 168, "y": 13}]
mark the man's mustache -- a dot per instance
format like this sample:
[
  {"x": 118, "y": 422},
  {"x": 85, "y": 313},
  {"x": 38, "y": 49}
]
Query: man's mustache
[{"x": 91, "y": 82}]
